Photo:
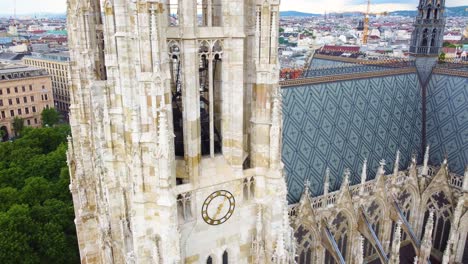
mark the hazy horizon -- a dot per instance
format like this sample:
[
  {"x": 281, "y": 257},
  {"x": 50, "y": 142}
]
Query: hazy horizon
[{"x": 30, "y": 7}]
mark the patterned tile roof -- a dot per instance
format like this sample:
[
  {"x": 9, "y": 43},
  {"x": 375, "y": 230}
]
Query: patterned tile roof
[
  {"x": 447, "y": 120},
  {"x": 339, "y": 124}
]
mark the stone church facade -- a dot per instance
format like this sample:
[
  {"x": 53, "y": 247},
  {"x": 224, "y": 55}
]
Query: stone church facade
[
  {"x": 176, "y": 124},
  {"x": 186, "y": 148}
]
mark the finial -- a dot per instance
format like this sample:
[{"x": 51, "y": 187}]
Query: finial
[
  {"x": 363, "y": 177},
  {"x": 364, "y": 172},
  {"x": 306, "y": 184},
  {"x": 381, "y": 169},
  {"x": 445, "y": 158},
  {"x": 414, "y": 158},
  {"x": 306, "y": 192},
  {"x": 326, "y": 185},
  {"x": 397, "y": 163},
  {"x": 345, "y": 181},
  {"x": 425, "y": 169}
]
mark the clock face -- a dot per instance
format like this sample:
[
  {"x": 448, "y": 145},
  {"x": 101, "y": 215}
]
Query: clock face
[{"x": 218, "y": 207}]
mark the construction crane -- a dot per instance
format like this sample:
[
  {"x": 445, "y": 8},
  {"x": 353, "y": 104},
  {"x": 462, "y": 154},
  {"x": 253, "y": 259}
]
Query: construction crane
[{"x": 365, "y": 34}]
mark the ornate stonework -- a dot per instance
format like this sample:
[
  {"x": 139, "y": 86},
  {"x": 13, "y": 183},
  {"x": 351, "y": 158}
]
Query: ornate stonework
[
  {"x": 174, "y": 102},
  {"x": 387, "y": 220}
]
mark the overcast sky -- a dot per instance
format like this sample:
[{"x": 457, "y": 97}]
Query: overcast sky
[{"x": 312, "y": 6}]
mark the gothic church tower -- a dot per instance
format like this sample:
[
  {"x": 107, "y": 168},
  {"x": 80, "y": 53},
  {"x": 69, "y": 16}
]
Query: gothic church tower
[
  {"x": 425, "y": 46},
  {"x": 427, "y": 37},
  {"x": 176, "y": 125}
]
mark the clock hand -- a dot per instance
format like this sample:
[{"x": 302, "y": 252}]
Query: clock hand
[{"x": 220, "y": 208}]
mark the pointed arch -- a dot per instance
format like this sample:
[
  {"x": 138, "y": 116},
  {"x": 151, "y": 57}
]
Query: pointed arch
[
  {"x": 424, "y": 41},
  {"x": 306, "y": 237},
  {"x": 441, "y": 204},
  {"x": 225, "y": 257},
  {"x": 341, "y": 227},
  {"x": 375, "y": 212},
  {"x": 434, "y": 37}
]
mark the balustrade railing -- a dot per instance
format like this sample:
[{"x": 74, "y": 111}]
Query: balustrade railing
[
  {"x": 430, "y": 21},
  {"x": 329, "y": 200}
]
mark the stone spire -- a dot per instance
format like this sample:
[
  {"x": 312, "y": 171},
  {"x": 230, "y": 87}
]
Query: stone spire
[
  {"x": 306, "y": 193},
  {"x": 280, "y": 256},
  {"x": 363, "y": 177},
  {"x": 395, "y": 254},
  {"x": 397, "y": 163},
  {"x": 326, "y": 184},
  {"x": 258, "y": 249},
  {"x": 396, "y": 166},
  {"x": 426, "y": 243},
  {"x": 345, "y": 183},
  {"x": 425, "y": 168},
  {"x": 381, "y": 170},
  {"x": 414, "y": 161}
]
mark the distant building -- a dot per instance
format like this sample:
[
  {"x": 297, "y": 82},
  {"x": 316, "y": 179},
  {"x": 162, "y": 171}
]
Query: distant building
[
  {"x": 56, "y": 65},
  {"x": 24, "y": 92}
]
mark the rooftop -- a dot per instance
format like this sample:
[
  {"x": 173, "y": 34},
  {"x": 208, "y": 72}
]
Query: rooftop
[{"x": 15, "y": 71}]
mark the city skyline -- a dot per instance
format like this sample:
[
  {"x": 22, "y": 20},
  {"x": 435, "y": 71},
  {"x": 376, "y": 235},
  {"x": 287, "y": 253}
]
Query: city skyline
[{"x": 59, "y": 6}]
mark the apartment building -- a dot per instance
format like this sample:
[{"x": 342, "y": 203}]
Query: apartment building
[
  {"x": 56, "y": 64},
  {"x": 24, "y": 92}
]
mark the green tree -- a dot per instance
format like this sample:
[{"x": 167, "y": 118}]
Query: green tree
[
  {"x": 442, "y": 57},
  {"x": 36, "y": 208},
  {"x": 18, "y": 125},
  {"x": 50, "y": 117},
  {"x": 8, "y": 197},
  {"x": 2, "y": 134},
  {"x": 35, "y": 191}
]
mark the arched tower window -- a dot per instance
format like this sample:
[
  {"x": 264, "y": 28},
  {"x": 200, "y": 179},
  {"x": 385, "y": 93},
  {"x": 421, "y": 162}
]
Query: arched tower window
[
  {"x": 248, "y": 188},
  {"x": 173, "y": 12},
  {"x": 209, "y": 260},
  {"x": 184, "y": 207},
  {"x": 176, "y": 91},
  {"x": 225, "y": 257},
  {"x": 210, "y": 83},
  {"x": 442, "y": 215},
  {"x": 434, "y": 37},
  {"x": 424, "y": 38},
  {"x": 374, "y": 213},
  {"x": 340, "y": 230},
  {"x": 305, "y": 245},
  {"x": 428, "y": 14},
  {"x": 405, "y": 201},
  {"x": 209, "y": 13}
]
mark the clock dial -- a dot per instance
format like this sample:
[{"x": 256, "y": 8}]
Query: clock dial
[{"x": 218, "y": 207}]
